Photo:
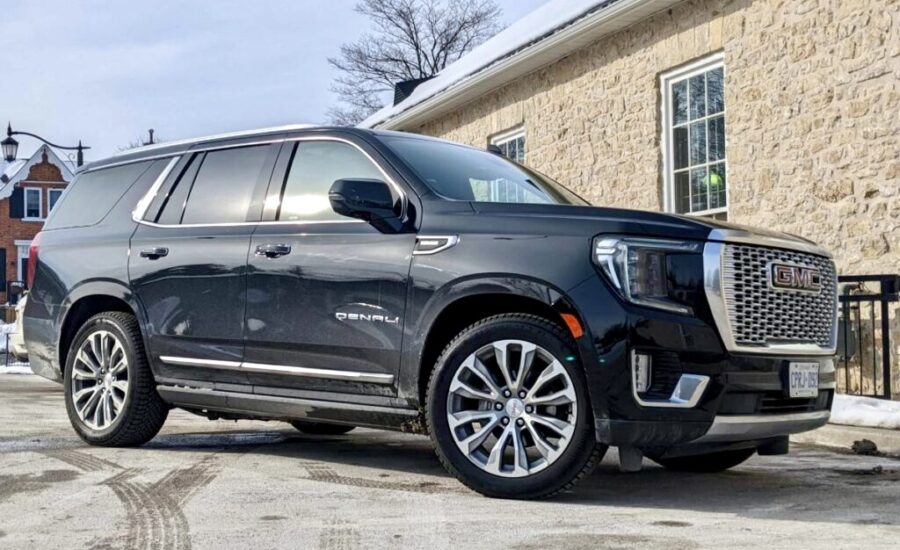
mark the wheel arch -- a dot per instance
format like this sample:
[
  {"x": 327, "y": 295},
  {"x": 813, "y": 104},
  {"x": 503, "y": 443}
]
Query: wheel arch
[
  {"x": 85, "y": 301},
  {"x": 459, "y": 305}
]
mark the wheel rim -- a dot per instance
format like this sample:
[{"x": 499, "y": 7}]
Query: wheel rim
[
  {"x": 100, "y": 380},
  {"x": 512, "y": 408}
]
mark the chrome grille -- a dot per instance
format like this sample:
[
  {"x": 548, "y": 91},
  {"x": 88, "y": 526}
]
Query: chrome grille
[{"x": 761, "y": 315}]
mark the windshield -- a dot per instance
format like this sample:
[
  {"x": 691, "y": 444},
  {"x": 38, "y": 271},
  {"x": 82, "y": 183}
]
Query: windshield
[{"x": 462, "y": 173}]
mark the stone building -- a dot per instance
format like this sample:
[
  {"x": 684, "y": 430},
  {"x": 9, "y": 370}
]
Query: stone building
[
  {"x": 29, "y": 188},
  {"x": 782, "y": 114}
]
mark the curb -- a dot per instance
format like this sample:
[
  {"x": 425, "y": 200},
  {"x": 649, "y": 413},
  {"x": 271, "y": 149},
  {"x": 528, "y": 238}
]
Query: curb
[{"x": 843, "y": 437}]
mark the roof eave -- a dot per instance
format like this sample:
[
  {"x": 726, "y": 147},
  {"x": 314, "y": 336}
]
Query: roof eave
[{"x": 540, "y": 54}]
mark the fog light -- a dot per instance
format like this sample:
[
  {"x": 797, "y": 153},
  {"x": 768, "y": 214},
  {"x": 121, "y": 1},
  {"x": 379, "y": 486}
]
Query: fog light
[{"x": 640, "y": 367}]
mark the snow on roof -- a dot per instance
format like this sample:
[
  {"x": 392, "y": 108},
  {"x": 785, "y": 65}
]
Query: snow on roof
[{"x": 528, "y": 30}]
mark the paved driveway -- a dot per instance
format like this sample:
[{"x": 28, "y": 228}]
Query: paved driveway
[{"x": 204, "y": 484}]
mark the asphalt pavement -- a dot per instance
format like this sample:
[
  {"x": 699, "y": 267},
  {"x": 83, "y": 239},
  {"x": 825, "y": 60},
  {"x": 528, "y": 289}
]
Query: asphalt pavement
[{"x": 203, "y": 484}]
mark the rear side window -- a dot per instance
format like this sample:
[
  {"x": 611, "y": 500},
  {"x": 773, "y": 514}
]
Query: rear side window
[
  {"x": 91, "y": 195},
  {"x": 224, "y": 185},
  {"x": 314, "y": 169}
]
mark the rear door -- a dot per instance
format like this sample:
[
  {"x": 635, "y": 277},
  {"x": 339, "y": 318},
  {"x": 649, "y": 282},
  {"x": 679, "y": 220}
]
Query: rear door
[
  {"x": 188, "y": 260},
  {"x": 326, "y": 293}
]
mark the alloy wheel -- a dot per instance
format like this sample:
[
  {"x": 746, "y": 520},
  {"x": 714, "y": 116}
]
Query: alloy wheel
[
  {"x": 100, "y": 380},
  {"x": 512, "y": 408}
]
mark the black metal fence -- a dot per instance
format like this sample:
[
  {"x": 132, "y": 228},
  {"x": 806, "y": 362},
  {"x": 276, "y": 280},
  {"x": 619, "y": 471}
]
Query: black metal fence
[{"x": 865, "y": 365}]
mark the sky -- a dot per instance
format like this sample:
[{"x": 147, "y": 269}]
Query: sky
[{"x": 106, "y": 71}]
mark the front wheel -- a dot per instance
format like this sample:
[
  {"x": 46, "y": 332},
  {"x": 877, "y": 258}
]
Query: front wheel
[
  {"x": 706, "y": 463},
  {"x": 110, "y": 392},
  {"x": 508, "y": 409}
]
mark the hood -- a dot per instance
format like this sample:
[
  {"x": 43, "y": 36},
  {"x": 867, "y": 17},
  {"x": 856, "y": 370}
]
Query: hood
[{"x": 625, "y": 221}]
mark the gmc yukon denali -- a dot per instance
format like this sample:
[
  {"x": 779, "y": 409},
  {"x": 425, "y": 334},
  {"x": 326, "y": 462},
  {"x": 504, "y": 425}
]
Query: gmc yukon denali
[{"x": 334, "y": 278}]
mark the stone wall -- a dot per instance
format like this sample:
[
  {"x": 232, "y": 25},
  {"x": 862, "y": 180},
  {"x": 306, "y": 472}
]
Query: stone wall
[{"x": 812, "y": 92}]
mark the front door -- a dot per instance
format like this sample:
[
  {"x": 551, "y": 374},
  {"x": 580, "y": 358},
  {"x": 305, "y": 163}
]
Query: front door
[
  {"x": 326, "y": 294},
  {"x": 188, "y": 262}
]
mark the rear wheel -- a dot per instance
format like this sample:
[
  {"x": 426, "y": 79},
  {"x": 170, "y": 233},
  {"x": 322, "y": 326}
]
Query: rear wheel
[
  {"x": 110, "y": 393},
  {"x": 706, "y": 463},
  {"x": 319, "y": 428},
  {"x": 508, "y": 411}
]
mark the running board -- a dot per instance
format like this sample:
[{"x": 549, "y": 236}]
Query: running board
[{"x": 267, "y": 407}]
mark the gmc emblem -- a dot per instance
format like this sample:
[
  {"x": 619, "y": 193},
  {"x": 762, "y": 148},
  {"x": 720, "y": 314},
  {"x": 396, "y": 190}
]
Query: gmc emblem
[{"x": 795, "y": 277}]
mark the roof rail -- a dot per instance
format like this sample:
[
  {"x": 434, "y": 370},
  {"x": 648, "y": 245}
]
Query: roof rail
[{"x": 226, "y": 135}]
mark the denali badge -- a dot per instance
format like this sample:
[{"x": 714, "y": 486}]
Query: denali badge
[
  {"x": 372, "y": 318},
  {"x": 795, "y": 277}
]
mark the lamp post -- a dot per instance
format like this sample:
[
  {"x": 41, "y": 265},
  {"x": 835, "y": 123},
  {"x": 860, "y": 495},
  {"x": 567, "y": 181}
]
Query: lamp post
[{"x": 11, "y": 147}]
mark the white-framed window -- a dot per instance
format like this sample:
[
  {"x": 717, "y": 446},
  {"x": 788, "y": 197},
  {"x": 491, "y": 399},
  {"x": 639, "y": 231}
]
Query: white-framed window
[
  {"x": 693, "y": 114},
  {"x": 511, "y": 143},
  {"x": 22, "y": 259},
  {"x": 33, "y": 203},
  {"x": 53, "y": 195}
]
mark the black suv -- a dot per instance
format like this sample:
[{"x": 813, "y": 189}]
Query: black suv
[{"x": 333, "y": 277}]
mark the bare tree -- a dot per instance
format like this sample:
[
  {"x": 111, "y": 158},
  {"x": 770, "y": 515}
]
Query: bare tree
[
  {"x": 411, "y": 39},
  {"x": 140, "y": 142}
]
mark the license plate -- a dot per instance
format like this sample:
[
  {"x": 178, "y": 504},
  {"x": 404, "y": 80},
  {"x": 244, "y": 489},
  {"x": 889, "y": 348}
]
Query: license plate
[{"x": 803, "y": 379}]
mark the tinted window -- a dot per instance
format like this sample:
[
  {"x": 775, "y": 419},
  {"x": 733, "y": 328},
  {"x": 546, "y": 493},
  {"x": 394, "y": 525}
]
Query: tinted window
[
  {"x": 223, "y": 188},
  {"x": 173, "y": 202},
  {"x": 314, "y": 169},
  {"x": 92, "y": 195},
  {"x": 462, "y": 173}
]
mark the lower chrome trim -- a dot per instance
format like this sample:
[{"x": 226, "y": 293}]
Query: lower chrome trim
[
  {"x": 329, "y": 374},
  {"x": 726, "y": 428},
  {"x": 686, "y": 395},
  {"x": 191, "y": 362}
]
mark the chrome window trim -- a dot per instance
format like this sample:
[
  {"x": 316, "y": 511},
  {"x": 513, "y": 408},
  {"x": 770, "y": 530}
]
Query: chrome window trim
[
  {"x": 452, "y": 240},
  {"x": 141, "y": 208},
  {"x": 306, "y": 372},
  {"x": 713, "y": 254},
  {"x": 145, "y": 201}
]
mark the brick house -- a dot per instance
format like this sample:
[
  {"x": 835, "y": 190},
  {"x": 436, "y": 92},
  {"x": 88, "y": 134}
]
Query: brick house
[
  {"x": 29, "y": 188},
  {"x": 781, "y": 114}
]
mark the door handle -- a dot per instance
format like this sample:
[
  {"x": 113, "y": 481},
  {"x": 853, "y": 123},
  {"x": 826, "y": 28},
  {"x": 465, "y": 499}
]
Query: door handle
[
  {"x": 273, "y": 250},
  {"x": 154, "y": 253}
]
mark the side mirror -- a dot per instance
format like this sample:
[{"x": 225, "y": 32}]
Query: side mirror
[{"x": 370, "y": 200}]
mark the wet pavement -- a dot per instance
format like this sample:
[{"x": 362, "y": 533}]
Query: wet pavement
[{"x": 203, "y": 484}]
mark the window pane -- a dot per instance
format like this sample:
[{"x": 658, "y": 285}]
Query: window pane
[
  {"x": 316, "y": 166},
  {"x": 53, "y": 196},
  {"x": 716, "y": 181},
  {"x": 715, "y": 90},
  {"x": 698, "y": 96},
  {"x": 698, "y": 189},
  {"x": 680, "y": 147},
  {"x": 32, "y": 203},
  {"x": 682, "y": 192},
  {"x": 455, "y": 172},
  {"x": 716, "y": 138},
  {"x": 679, "y": 103},
  {"x": 224, "y": 186},
  {"x": 698, "y": 143},
  {"x": 92, "y": 195},
  {"x": 173, "y": 204}
]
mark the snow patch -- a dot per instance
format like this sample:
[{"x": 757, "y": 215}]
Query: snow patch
[
  {"x": 16, "y": 369},
  {"x": 853, "y": 410}
]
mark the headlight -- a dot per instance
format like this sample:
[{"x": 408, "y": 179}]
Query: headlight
[{"x": 638, "y": 268}]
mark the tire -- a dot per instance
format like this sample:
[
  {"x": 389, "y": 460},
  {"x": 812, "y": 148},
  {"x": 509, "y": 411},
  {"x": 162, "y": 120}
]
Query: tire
[
  {"x": 319, "y": 428},
  {"x": 706, "y": 463},
  {"x": 542, "y": 471},
  {"x": 141, "y": 412}
]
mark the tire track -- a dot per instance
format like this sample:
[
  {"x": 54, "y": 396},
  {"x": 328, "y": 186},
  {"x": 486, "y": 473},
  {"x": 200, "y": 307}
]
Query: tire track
[
  {"x": 339, "y": 535},
  {"x": 324, "y": 473},
  {"x": 153, "y": 511}
]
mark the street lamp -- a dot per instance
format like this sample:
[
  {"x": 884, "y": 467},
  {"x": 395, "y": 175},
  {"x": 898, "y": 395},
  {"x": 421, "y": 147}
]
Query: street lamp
[{"x": 11, "y": 147}]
